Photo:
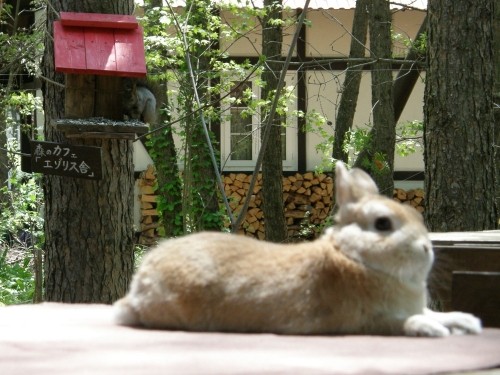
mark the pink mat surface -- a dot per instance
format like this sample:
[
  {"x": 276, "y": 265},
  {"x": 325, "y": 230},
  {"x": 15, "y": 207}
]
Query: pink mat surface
[{"x": 81, "y": 339}]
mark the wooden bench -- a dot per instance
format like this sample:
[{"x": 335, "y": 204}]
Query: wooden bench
[{"x": 466, "y": 275}]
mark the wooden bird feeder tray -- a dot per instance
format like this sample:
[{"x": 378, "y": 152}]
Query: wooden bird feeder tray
[{"x": 99, "y": 128}]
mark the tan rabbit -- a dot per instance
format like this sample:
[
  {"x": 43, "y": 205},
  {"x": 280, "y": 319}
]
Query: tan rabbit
[{"x": 365, "y": 275}]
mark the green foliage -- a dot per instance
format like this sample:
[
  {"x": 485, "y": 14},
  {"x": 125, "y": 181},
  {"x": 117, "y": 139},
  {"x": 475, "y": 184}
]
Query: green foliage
[
  {"x": 419, "y": 44},
  {"x": 20, "y": 210},
  {"x": 172, "y": 189},
  {"x": 22, "y": 102},
  {"x": 21, "y": 234},
  {"x": 22, "y": 49},
  {"x": 409, "y": 137},
  {"x": 139, "y": 253},
  {"x": 25, "y": 103},
  {"x": 358, "y": 140},
  {"x": 17, "y": 282}
]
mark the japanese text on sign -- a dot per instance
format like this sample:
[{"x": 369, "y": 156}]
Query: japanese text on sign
[{"x": 66, "y": 160}]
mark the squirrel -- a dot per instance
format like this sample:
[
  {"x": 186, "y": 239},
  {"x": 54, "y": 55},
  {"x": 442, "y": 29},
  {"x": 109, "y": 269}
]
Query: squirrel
[{"x": 138, "y": 101}]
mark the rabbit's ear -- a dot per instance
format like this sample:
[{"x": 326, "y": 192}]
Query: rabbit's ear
[{"x": 352, "y": 185}]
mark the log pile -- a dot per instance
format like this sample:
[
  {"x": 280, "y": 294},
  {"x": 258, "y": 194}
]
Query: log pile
[
  {"x": 307, "y": 197},
  {"x": 414, "y": 198},
  {"x": 148, "y": 231}
]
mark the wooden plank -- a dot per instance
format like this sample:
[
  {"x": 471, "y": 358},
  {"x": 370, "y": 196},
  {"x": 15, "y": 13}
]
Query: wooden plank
[
  {"x": 129, "y": 49},
  {"x": 108, "y": 103},
  {"x": 451, "y": 259},
  {"x": 87, "y": 125},
  {"x": 100, "y": 50},
  {"x": 479, "y": 294},
  {"x": 149, "y": 198},
  {"x": 101, "y": 135},
  {"x": 80, "y": 96},
  {"x": 491, "y": 236},
  {"x": 149, "y": 212},
  {"x": 115, "y": 21},
  {"x": 69, "y": 49}
]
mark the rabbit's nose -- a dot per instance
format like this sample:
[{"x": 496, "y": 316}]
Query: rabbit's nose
[{"x": 424, "y": 246}]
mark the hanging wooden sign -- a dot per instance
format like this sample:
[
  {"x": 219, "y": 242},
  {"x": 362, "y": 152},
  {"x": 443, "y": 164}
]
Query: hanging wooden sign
[{"x": 66, "y": 160}]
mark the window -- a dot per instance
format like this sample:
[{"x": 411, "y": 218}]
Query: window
[{"x": 240, "y": 130}]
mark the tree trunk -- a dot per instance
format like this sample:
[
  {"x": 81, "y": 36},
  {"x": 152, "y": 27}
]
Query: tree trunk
[
  {"x": 352, "y": 80},
  {"x": 458, "y": 116},
  {"x": 272, "y": 162},
  {"x": 408, "y": 75},
  {"x": 496, "y": 100},
  {"x": 88, "y": 224},
  {"x": 377, "y": 158}
]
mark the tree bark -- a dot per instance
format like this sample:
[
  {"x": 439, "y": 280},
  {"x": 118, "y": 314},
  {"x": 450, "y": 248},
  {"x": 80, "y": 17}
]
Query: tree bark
[
  {"x": 272, "y": 162},
  {"x": 89, "y": 250},
  {"x": 496, "y": 100},
  {"x": 352, "y": 80},
  {"x": 458, "y": 116},
  {"x": 377, "y": 158}
]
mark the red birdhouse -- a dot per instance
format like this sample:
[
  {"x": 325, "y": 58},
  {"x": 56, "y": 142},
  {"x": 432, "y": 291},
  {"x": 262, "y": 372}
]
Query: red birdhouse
[
  {"x": 101, "y": 44},
  {"x": 96, "y": 52}
]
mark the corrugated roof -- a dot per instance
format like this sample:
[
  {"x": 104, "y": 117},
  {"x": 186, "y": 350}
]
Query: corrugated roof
[{"x": 314, "y": 4}]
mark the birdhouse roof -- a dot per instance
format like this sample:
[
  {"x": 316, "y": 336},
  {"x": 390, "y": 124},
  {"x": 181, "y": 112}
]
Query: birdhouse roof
[{"x": 102, "y": 44}]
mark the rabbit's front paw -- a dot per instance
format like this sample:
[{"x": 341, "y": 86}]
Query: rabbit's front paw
[
  {"x": 422, "y": 325},
  {"x": 458, "y": 323}
]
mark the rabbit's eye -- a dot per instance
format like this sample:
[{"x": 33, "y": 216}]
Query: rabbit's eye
[{"x": 383, "y": 223}]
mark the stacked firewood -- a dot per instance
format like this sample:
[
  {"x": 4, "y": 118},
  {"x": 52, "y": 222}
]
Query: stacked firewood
[
  {"x": 149, "y": 214},
  {"x": 307, "y": 198},
  {"x": 414, "y": 198}
]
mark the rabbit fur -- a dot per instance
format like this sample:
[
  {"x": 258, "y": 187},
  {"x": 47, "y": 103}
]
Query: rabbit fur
[{"x": 365, "y": 275}]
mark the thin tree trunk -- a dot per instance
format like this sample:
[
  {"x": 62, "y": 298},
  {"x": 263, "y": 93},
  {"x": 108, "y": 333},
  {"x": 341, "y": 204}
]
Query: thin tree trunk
[
  {"x": 408, "y": 75},
  {"x": 377, "y": 158},
  {"x": 88, "y": 224},
  {"x": 459, "y": 121},
  {"x": 272, "y": 162},
  {"x": 350, "y": 87}
]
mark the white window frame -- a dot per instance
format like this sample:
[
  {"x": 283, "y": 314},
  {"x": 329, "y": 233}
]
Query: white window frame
[{"x": 290, "y": 163}]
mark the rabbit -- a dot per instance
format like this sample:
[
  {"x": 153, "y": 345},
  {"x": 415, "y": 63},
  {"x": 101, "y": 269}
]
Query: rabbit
[{"x": 365, "y": 275}]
